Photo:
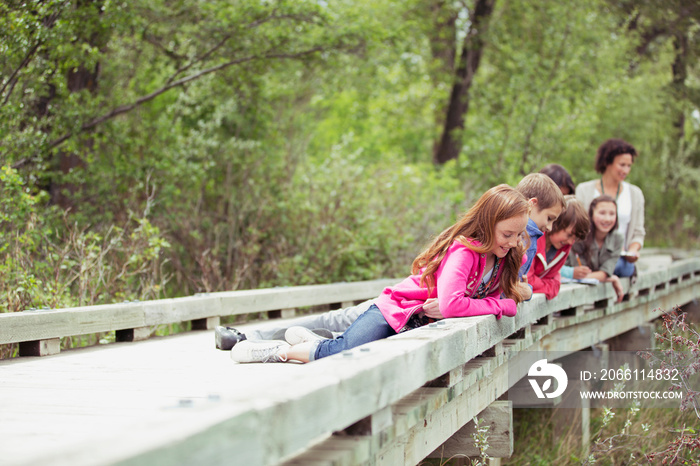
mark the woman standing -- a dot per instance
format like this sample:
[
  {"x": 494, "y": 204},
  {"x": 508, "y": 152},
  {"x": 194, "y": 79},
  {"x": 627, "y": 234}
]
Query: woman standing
[{"x": 614, "y": 161}]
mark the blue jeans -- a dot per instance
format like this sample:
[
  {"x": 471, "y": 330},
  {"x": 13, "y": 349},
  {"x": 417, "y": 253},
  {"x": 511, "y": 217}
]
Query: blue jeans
[
  {"x": 369, "y": 326},
  {"x": 624, "y": 268}
]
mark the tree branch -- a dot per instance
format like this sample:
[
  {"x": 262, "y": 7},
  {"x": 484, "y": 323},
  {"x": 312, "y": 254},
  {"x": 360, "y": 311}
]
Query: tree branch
[
  {"x": 11, "y": 79},
  {"x": 226, "y": 37},
  {"x": 200, "y": 58},
  {"x": 49, "y": 21},
  {"x": 128, "y": 107}
]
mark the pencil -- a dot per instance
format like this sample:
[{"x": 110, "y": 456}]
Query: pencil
[{"x": 578, "y": 259}]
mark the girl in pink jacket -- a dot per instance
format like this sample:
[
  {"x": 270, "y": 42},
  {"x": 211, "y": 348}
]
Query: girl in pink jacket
[{"x": 466, "y": 268}]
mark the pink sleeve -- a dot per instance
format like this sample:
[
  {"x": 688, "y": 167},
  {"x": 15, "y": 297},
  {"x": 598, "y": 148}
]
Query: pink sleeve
[{"x": 454, "y": 274}]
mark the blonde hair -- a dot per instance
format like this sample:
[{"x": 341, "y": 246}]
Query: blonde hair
[
  {"x": 495, "y": 205},
  {"x": 542, "y": 188}
]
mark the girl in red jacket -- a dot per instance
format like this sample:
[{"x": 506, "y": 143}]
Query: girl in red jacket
[
  {"x": 467, "y": 268},
  {"x": 553, "y": 248}
]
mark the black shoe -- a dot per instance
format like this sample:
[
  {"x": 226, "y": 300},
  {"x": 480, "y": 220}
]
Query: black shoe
[{"x": 227, "y": 337}]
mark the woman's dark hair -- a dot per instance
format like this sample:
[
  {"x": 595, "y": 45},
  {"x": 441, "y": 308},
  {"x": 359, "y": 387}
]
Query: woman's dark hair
[
  {"x": 560, "y": 176},
  {"x": 611, "y": 149},
  {"x": 591, "y": 233}
]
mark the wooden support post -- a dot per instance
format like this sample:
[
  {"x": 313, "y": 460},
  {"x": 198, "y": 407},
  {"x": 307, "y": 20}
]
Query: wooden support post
[
  {"x": 523, "y": 333},
  {"x": 448, "y": 379},
  {"x": 570, "y": 421},
  {"x": 573, "y": 311},
  {"x": 133, "y": 334},
  {"x": 208, "y": 323},
  {"x": 288, "y": 313},
  {"x": 661, "y": 287},
  {"x": 282, "y": 313},
  {"x": 602, "y": 304},
  {"x": 40, "y": 347},
  {"x": 494, "y": 351},
  {"x": 371, "y": 425},
  {"x": 499, "y": 419}
]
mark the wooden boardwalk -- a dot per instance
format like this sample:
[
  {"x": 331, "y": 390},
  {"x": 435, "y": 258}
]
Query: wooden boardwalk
[
  {"x": 178, "y": 400},
  {"x": 123, "y": 398}
]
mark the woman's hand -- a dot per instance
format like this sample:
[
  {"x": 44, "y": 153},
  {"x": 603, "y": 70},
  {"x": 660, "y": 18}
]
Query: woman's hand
[
  {"x": 632, "y": 253},
  {"x": 431, "y": 308},
  {"x": 631, "y": 256},
  {"x": 581, "y": 271}
]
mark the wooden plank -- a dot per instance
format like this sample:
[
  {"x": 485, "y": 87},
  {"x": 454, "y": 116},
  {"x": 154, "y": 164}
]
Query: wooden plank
[{"x": 498, "y": 417}]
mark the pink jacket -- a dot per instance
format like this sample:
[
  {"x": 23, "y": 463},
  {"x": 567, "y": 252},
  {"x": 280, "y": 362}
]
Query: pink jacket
[{"x": 458, "y": 277}]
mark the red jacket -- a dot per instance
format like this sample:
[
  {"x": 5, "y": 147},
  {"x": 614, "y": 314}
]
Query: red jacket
[{"x": 545, "y": 277}]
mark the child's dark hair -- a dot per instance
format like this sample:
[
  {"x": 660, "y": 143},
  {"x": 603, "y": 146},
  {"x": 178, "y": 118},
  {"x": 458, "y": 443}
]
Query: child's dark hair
[
  {"x": 592, "y": 231},
  {"x": 573, "y": 214},
  {"x": 611, "y": 149},
  {"x": 560, "y": 176},
  {"x": 542, "y": 188}
]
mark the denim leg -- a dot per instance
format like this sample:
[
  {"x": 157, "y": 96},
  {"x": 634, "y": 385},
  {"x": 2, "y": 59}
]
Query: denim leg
[
  {"x": 338, "y": 320},
  {"x": 624, "y": 268},
  {"x": 370, "y": 326}
]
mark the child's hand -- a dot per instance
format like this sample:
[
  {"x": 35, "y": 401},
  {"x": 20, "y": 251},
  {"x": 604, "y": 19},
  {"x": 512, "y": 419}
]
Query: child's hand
[
  {"x": 581, "y": 271},
  {"x": 617, "y": 286},
  {"x": 525, "y": 290},
  {"x": 431, "y": 308}
]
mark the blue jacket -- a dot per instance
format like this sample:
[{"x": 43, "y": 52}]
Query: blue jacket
[{"x": 534, "y": 233}]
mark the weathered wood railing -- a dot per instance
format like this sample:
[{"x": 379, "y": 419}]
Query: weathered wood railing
[
  {"x": 393, "y": 401},
  {"x": 39, "y": 331}
]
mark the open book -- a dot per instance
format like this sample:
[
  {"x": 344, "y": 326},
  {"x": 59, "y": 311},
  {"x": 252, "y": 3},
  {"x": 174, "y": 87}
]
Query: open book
[{"x": 585, "y": 281}]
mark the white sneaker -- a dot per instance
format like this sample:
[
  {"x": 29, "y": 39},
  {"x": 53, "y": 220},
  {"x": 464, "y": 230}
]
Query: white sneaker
[
  {"x": 296, "y": 335},
  {"x": 260, "y": 351}
]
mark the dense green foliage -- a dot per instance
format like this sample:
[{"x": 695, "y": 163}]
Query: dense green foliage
[{"x": 155, "y": 148}]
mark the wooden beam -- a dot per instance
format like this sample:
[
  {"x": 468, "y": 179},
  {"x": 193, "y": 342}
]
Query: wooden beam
[
  {"x": 133, "y": 334},
  {"x": 40, "y": 347},
  {"x": 208, "y": 323},
  {"x": 498, "y": 417}
]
